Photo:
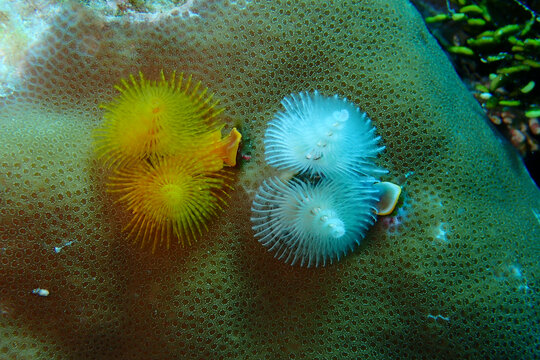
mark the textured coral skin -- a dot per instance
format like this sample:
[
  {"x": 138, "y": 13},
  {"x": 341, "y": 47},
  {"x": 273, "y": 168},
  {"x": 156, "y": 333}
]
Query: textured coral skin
[{"x": 452, "y": 274}]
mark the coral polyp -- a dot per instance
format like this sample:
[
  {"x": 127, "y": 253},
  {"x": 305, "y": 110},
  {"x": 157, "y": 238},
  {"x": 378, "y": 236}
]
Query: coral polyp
[
  {"x": 169, "y": 198},
  {"x": 320, "y": 135},
  {"x": 313, "y": 223},
  {"x": 155, "y": 118}
]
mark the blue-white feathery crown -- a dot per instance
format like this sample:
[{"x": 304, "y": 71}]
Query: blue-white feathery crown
[
  {"x": 312, "y": 224},
  {"x": 325, "y": 211},
  {"x": 325, "y": 136}
]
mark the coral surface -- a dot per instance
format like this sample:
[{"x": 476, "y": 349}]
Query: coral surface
[{"x": 452, "y": 273}]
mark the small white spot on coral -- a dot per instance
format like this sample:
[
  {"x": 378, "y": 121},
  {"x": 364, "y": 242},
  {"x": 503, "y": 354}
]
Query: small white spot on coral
[
  {"x": 40, "y": 292},
  {"x": 193, "y": 14},
  {"x": 57, "y": 249},
  {"x": 515, "y": 271},
  {"x": 511, "y": 275},
  {"x": 438, "y": 316},
  {"x": 441, "y": 234}
]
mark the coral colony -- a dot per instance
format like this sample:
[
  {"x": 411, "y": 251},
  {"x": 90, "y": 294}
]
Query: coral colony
[
  {"x": 324, "y": 211},
  {"x": 166, "y": 150},
  {"x": 458, "y": 256}
]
